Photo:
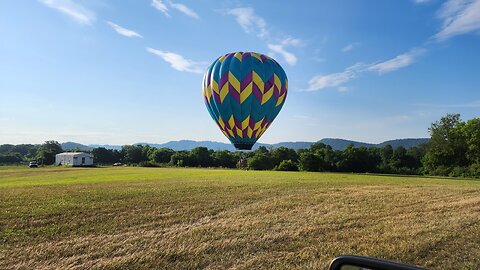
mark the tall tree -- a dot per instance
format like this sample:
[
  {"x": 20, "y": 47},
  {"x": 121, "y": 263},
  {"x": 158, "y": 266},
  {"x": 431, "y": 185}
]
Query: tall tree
[
  {"x": 308, "y": 161},
  {"x": 202, "y": 156},
  {"x": 162, "y": 155},
  {"x": 282, "y": 153},
  {"x": 358, "y": 159},
  {"x": 135, "y": 153},
  {"x": 106, "y": 156},
  {"x": 447, "y": 145},
  {"x": 224, "y": 159},
  {"x": 471, "y": 131},
  {"x": 47, "y": 151}
]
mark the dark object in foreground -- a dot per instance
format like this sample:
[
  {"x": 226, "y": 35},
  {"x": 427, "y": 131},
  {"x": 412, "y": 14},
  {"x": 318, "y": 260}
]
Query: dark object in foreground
[
  {"x": 350, "y": 262},
  {"x": 32, "y": 164}
]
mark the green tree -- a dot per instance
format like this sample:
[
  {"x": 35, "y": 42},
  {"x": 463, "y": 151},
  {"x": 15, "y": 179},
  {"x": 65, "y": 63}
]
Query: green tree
[
  {"x": 25, "y": 149},
  {"x": 415, "y": 155},
  {"x": 10, "y": 158},
  {"x": 6, "y": 148},
  {"x": 386, "y": 154},
  {"x": 224, "y": 159},
  {"x": 260, "y": 161},
  {"x": 326, "y": 157},
  {"x": 358, "y": 159},
  {"x": 319, "y": 157},
  {"x": 202, "y": 156},
  {"x": 287, "y": 165},
  {"x": 102, "y": 155},
  {"x": 181, "y": 159},
  {"x": 47, "y": 151},
  {"x": 447, "y": 146},
  {"x": 162, "y": 155},
  {"x": 134, "y": 153},
  {"x": 471, "y": 132},
  {"x": 308, "y": 161},
  {"x": 282, "y": 153}
]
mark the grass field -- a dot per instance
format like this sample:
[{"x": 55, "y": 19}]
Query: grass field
[{"x": 130, "y": 218}]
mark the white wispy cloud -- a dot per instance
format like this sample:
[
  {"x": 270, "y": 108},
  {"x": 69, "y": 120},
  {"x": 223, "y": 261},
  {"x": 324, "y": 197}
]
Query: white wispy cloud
[
  {"x": 179, "y": 62},
  {"x": 459, "y": 17},
  {"x": 249, "y": 21},
  {"x": 335, "y": 79},
  {"x": 398, "y": 62},
  {"x": 184, "y": 9},
  {"x": 160, "y": 5},
  {"x": 292, "y": 42},
  {"x": 253, "y": 23},
  {"x": 75, "y": 11},
  {"x": 289, "y": 57},
  {"x": 339, "y": 78},
  {"x": 164, "y": 7},
  {"x": 350, "y": 47},
  {"x": 124, "y": 31}
]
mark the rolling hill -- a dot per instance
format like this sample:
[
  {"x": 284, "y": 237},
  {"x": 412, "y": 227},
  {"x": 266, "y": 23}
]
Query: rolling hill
[{"x": 336, "y": 144}]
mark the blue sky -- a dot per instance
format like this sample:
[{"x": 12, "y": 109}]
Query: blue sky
[{"x": 122, "y": 72}]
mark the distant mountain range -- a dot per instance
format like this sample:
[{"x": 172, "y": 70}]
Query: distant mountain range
[{"x": 336, "y": 144}]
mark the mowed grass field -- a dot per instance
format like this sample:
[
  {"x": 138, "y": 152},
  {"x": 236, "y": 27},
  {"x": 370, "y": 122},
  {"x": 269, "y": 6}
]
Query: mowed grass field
[{"x": 167, "y": 218}]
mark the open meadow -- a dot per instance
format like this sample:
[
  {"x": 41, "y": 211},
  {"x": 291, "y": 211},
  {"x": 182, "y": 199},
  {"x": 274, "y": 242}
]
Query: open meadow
[{"x": 168, "y": 218}]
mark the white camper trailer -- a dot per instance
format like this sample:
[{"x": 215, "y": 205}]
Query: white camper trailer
[{"x": 75, "y": 159}]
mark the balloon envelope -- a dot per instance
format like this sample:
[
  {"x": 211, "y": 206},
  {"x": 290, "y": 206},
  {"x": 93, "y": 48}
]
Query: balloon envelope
[{"x": 244, "y": 92}]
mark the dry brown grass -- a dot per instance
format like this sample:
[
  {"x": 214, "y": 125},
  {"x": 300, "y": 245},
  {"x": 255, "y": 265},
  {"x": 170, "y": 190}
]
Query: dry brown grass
[{"x": 224, "y": 219}]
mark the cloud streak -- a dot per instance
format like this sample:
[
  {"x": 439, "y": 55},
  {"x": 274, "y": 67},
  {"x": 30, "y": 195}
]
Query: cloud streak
[
  {"x": 161, "y": 6},
  {"x": 184, "y": 9},
  {"x": 76, "y": 12},
  {"x": 337, "y": 79},
  {"x": 252, "y": 23},
  {"x": 124, "y": 31},
  {"x": 398, "y": 62},
  {"x": 249, "y": 21},
  {"x": 350, "y": 47},
  {"x": 289, "y": 57},
  {"x": 164, "y": 7},
  {"x": 178, "y": 62},
  {"x": 459, "y": 17}
]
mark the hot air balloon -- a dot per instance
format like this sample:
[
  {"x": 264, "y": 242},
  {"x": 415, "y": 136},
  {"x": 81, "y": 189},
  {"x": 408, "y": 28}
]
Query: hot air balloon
[{"x": 244, "y": 92}]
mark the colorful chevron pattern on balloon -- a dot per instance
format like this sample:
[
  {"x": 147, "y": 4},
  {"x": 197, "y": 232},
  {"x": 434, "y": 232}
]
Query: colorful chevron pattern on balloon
[{"x": 244, "y": 92}]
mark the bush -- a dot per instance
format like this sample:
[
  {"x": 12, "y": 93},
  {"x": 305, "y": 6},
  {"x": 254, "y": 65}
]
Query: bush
[
  {"x": 147, "y": 164},
  {"x": 474, "y": 170},
  {"x": 287, "y": 165},
  {"x": 441, "y": 171},
  {"x": 181, "y": 159},
  {"x": 260, "y": 161},
  {"x": 162, "y": 155},
  {"x": 225, "y": 159},
  {"x": 308, "y": 162},
  {"x": 405, "y": 170},
  {"x": 458, "y": 171}
]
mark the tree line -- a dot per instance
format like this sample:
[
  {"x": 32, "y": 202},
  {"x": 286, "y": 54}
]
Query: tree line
[{"x": 453, "y": 150}]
